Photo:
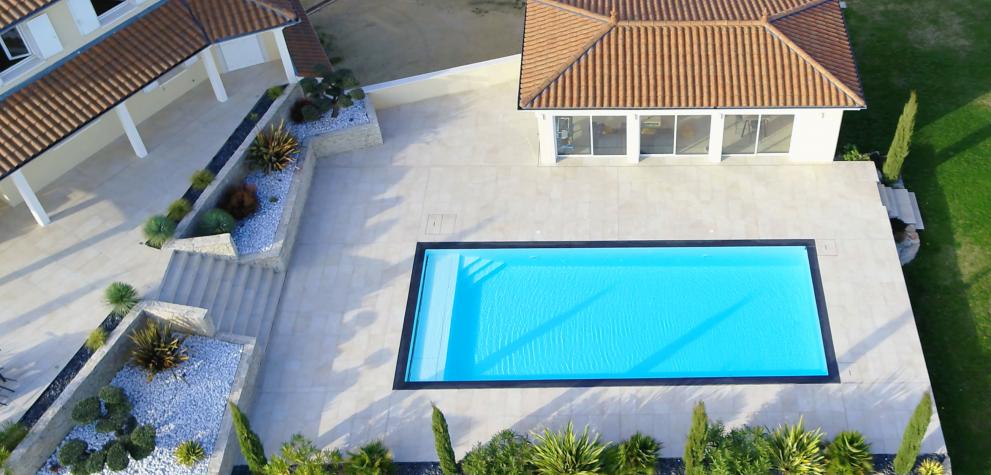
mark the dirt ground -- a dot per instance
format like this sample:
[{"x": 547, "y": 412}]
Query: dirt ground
[{"x": 381, "y": 40}]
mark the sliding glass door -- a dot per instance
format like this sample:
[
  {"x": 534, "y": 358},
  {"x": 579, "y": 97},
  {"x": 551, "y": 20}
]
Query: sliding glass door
[
  {"x": 674, "y": 135},
  {"x": 603, "y": 135},
  {"x": 753, "y": 134}
]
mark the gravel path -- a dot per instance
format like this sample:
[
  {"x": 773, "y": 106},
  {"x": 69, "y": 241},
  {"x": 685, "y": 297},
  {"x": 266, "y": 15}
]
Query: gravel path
[{"x": 188, "y": 407}]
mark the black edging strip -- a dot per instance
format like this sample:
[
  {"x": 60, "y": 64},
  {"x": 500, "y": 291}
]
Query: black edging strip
[{"x": 412, "y": 302}]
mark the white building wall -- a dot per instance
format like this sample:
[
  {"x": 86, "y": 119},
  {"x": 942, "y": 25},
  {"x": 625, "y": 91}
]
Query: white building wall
[{"x": 815, "y": 135}]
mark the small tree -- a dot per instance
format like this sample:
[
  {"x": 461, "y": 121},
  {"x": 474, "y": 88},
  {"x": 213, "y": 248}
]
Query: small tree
[
  {"x": 697, "y": 439},
  {"x": 442, "y": 442},
  {"x": 908, "y": 451},
  {"x": 334, "y": 90},
  {"x": 902, "y": 141},
  {"x": 251, "y": 445}
]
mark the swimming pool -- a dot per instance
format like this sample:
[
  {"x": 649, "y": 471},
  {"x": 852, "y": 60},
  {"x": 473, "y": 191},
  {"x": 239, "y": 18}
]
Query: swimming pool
[{"x": 614, "y": 313}]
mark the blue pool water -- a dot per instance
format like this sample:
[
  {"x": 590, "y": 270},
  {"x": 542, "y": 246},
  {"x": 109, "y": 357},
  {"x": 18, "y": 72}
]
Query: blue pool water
[{"x": 615, "y": 314}]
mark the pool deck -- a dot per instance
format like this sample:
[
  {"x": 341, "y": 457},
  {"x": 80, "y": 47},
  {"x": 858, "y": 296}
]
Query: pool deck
[{"x": 463, "y": 168}]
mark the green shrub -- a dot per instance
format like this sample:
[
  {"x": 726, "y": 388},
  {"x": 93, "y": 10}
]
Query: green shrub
[
  {"x": 73, "y": 452},
  {"x": 121, "y": 423},
  {"x": 506, "y": 453},
  {"x": 189, "y": 453},
  {"x": 216, "y": 221},
  {"x": 336, "y": 89},
  {"x": 849, "y": 454},
  {"x": 636, "y": 455},
  {"x": 442, "y": 443},
  {"x": 86, "y": 411},
  {"x": 179, "y": 209},
  {"x": 95, "y": 462},
  {"x": 117, "y": 457},
  {"x": 371, "y": 459},
  {"x": 121, "y": 298},
  {"x": 251, "y": 445},
  {"x": 274, "y": 92},
  {"x": 157, "y": 349},
  {"x": 158, "y": 230},
  {"x": 695, "y": 446},
  {"x": 96, "y": 339},
  {"x": 902, "y": 141},
  {"x": 852, "y": 154},
  {"x": 743, "y": 451},
  {"x": 274, "y": 149},
  {"x": 142, "y": 442},
  {"x": 911, "y": 443},
  {"x": 201, "y": 179},
  {"x": 4, "y": 456},
  {"x": 796, "y": 451},
  {"x": 300, "y": 457},
  {"x": 11, "y": 434},
  {"x": 114, "y": 396},
  {"x": 563, "y": 453},
  {"x": 930, "y": 467}
]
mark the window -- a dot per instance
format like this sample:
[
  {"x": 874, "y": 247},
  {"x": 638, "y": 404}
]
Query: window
[
  {"x": 595, "y": 135},
  {"x": 750, "y": 134},
  {"x": 14, "y": 49},
  {"x": 668, "y": 134},
  {"x": 609, "y": 135},
  {"x": 573, "y": 136},
  {"x": 105, "y": 6}
]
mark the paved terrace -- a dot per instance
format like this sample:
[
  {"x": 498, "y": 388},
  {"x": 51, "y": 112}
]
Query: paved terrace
[
  {"x": 52, "y": 278},
  {"x": 472, "y": 158}
]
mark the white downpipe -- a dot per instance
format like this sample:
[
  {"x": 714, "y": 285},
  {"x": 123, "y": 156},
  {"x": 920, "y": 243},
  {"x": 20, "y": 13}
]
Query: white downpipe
[
  {"x": 716, "y": 137},
  {"x": 633, "y": 137},
  {"x": 131, "y": 130},
  {"x": 30, "y": 199},
  {"x": 290, "y": 69},
  {"x": 214, "y": 74}
]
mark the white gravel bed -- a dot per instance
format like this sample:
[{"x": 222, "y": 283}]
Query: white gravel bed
[
  {"x": 256, "y": 233},
  {"x": 354, "y": 115},
  {"x": 184, "y": 408}
]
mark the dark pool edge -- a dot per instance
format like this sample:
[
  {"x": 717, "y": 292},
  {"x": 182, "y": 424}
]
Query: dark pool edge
[{"x": 413, "y": 298}]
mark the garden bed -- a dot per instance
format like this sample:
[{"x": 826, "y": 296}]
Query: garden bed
[
  {"x": 352, "y": 116},
  {"x": 257, "y": 232},
  {"x": 186, "y": 406}
]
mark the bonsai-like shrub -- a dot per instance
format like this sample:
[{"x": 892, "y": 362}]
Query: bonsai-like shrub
[
  {"x": 332, "y": 91},
  {"x": 113, "y": 397},
  {"x": 442, "y": 443},
  {"x": 86, "y": 411},
  {"x": 695, "y": 446},
  {"x": 201, "y": 179},
  {"x": 156, "y": 349},
  {"x": 251, "y": 445},
  {"x": 930, "y": 467},
  {"x": 851, "y": 154},
  {"x": 902, "y": 141},
  {"x": 849, "y": 454},
  {"x": 121, "y": 298},
  {"x": 119, "y": 422},
  {"x": 179, "y": 209},
  {"x": 562, "y": 453},
  {"x": 506, "y": 453},
  {"x": 911, "y": 443},
  {"x": 371, "y": 459},
  {"x": 241, "y": 200},
  {"x": 273, "y": 149},
  {"x": 189, "y": 453},
  {"x": 73, "y": 452},
  {"x": 636, "y": 455},
  {"x": 216, "y": 221},
  {"x": 95, "y": 462},
  {"x": 96, "y": 339},
  {"x": 743, "y": 451},
  {"x": 158, "y": 230},
  {"x": 142, "y": 442},
  {"x": 117, "y": 457},
  {"x": 796, "y": 451},
  {"x": 303, "y": 110},
  {"x": 300, "y": 457}
]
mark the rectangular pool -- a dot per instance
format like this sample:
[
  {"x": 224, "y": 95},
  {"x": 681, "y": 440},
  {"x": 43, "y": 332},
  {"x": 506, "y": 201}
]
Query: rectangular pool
[{"x": 614, "y": 313}]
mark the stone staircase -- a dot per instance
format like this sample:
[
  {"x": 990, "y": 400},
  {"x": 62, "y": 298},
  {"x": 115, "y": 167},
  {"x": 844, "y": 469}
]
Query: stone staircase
[
  {"x": 901, "y": 204},
  {"x": 240, "y": 298}
]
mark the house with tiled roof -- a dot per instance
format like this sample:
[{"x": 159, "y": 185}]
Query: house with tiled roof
[
  {"x": 77, "y": 74},
  {"x": 660, "y": 81}
]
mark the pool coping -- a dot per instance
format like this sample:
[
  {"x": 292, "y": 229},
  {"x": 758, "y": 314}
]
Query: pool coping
[{"x": 413, "y": 298}]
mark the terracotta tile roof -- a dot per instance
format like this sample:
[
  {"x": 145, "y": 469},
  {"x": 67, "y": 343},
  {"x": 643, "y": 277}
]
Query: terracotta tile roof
[
  {"x": 13, "y": 11},
  {"x": 51, "y": 107},
  {"x": 660, "y": 54},
  {"x": 304, "y": 45}
]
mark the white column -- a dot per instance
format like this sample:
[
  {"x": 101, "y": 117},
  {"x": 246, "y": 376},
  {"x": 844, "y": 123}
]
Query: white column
[
  {"x": 214, "y": 74},
  {"x": 716, "y": 138},
  {"x": 633, "y": 137},
  {"x": 131, "y": 130},
  {"x": 30, "y": 199},
  {"x": 547, "y": 150},
  {"x": 280, "y": 41}
]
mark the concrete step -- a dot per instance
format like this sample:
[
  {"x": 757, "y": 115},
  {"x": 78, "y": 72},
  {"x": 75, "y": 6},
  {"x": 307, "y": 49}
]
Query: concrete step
[
  {"x": 254, "y": 308},
  {"x": 200, "y": 277},
  {"x": 916, "y": 211},
  {"x": 904, "y": 205},
  {"x": 263, "y": 327},
  {"x": 218, "y": 299},
  {"x": 234, "y": 294},
  {"x": 188, "y": 277},
  {"x": 208, "y": 292},
  {"x": 240, "y": 299},
  {"x": 173, "y": 276},
  {"x": 883, "y": 192}
]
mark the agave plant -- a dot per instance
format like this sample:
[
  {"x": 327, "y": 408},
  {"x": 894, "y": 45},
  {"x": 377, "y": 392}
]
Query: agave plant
[
  {"x": 637, "y": 455},
  {"x": 189, "y": 453},
  {"x": 930, "y": 467},
  {"x": 158, "y": 230},
  {"x": 564, "y": 453},
  {"x": 849, "y": 454},
  {"x": 121, "y": 298},
  {"x": 274, "y": 149},
  {"x": 796, "y": 451},
  {"x": 157, "y": 349}
]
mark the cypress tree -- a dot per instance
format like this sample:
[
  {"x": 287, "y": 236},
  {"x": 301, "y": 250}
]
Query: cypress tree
[
  {"x": 697, "y": 438},
  {"x": 911, "y": 444},
  {"x": 251, "y": 445},
  {"x": 902, "y": 141},
  {"x": 442, "y": 442}
]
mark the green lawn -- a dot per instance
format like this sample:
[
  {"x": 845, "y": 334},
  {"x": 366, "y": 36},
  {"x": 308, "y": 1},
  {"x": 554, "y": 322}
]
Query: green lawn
[{"x": 942, "y": 49}]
